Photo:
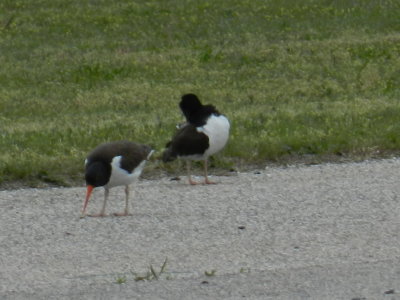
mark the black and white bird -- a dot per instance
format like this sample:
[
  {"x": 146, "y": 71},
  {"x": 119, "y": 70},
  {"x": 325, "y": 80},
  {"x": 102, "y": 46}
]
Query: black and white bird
[
  {"x": 114, "y": 164},
  {"x": 205, "y": 133}
]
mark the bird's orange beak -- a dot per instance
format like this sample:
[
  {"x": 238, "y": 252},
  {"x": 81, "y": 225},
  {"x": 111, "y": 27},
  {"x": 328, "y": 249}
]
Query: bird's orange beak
[{"x": 89, "y": 190}]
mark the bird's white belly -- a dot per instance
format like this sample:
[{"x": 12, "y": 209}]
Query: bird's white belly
[
  {"x": 120, "y": 176},
  {"x": 217, "y": 130}
]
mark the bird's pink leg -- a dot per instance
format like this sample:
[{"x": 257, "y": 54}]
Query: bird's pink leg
[
  {"x": 126, "y": 212},
  {"x": 206, "y": 181},
  {"x": 103, "y": 209},
  {"x": 189, "y": 175}
]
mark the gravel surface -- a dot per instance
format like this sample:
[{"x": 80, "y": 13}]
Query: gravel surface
[{"x": 326, "y": 231}]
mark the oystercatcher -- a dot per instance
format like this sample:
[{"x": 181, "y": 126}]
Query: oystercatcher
[
  {"x": 113, "y": 164},
  {"x": 205, "y": 132}
]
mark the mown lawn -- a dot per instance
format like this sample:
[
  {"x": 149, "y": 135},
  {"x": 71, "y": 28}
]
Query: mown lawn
[{"x": 295, "y": 77}]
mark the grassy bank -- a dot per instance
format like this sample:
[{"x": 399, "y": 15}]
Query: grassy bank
[{"x": 294, "y": 77}]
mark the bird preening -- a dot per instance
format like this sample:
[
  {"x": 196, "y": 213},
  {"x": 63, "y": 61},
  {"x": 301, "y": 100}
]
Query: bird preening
[
  {"x": 120, "y": 163},
  {"x": 205, "y": 133}
]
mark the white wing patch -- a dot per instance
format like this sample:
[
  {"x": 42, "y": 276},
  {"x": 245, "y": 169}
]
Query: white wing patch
[{"x": 121, "y": 177}]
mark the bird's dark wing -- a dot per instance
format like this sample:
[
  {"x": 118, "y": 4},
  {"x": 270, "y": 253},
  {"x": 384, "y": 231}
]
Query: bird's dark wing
[
  {"x": 187, "y": 141},
  {"x": 132, "y": 153}
]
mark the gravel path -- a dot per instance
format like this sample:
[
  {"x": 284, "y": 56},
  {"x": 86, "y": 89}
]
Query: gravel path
[{"x": 327, "y": 231}]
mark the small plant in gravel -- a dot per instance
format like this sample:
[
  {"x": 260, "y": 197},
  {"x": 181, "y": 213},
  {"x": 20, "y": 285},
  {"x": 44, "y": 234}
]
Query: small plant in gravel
[
  {"x": 120, "y": 280},
  {"x": 211, "y": 273},
  {"x": 152, "y": 274}
]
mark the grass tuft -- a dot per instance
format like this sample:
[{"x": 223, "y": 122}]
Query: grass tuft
[
  {"x": 210, "y": 273},
  {"x": 120, "y": 280},
  {"x": 152, "y": 274}
]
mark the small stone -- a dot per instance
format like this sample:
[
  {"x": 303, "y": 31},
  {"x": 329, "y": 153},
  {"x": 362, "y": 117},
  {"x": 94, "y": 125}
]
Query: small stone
[
  {"x": 389, "y": 292},
  {"x": 242, "y": 227}
]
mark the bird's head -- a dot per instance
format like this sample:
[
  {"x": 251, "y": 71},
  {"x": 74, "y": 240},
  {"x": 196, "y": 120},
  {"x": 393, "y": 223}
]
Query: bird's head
[
  {"x": 97, "y": 174},
  {"x": 189, "y": 105}
]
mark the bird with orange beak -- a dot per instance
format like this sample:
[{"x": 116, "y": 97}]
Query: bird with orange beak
[{"x": 114, "y": 164}]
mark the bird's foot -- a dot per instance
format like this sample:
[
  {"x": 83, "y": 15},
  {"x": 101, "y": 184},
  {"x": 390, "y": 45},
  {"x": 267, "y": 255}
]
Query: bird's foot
[
  {"x": 193, "y": 182},
  {"x": 209, "y": 182},
  {"x": 123, "y": 214},
  {"x": 97, "y": 215}
]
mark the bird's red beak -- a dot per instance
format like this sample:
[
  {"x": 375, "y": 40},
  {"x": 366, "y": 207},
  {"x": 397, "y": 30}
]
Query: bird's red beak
[{"x": 89, "y": 190}]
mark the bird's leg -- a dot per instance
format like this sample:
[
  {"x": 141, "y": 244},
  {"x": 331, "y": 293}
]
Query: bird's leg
[
  {"x": 126, "y": 212},
  {"x": 188, "y": 171},
  {"x": 127, "y": 200},
  {"x": 103, "y": 209},
  {"x": 206, "y": 181}
]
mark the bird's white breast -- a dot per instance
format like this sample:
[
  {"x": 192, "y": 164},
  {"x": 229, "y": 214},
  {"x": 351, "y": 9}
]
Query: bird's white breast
[
  {"x": 217, "y": 130},
  {"x": 120, "y": 176}
]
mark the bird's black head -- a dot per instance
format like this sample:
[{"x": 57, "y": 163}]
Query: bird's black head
[
  {"x": 196, "y": 113},
  {"x": 97, "y": 173},
  {"x": 190, "y": 104}
]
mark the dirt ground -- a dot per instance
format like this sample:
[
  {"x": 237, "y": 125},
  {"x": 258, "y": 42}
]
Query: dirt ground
[{"x": 329, "y": 231}]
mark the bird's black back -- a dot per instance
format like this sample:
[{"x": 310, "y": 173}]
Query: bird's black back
[{"x": 99, "y": 160}]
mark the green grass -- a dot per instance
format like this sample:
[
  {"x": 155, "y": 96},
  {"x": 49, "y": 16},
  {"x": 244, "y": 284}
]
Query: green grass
[
  {"x": 294, "y": 77},
  {"x": 210, "y": 273},
  {"x": 120, "y": 280}
]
